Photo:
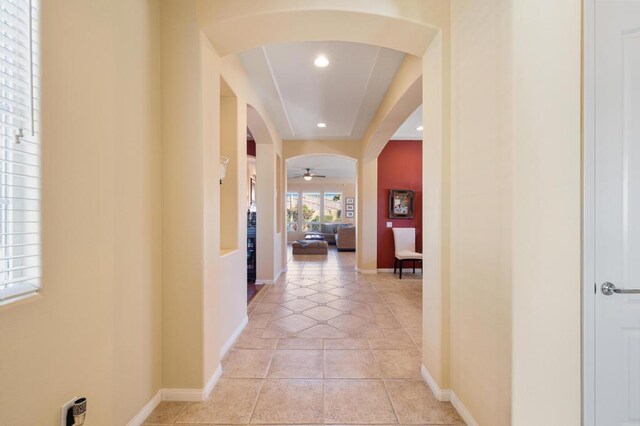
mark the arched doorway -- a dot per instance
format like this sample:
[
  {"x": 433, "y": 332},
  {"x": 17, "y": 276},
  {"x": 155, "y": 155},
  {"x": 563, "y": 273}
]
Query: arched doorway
[{"x": 320, "y": 203}]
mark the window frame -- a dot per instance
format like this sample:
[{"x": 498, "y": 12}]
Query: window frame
[
  {"x": 20, "y": 169},
  {"x": 301, "y": 222}
]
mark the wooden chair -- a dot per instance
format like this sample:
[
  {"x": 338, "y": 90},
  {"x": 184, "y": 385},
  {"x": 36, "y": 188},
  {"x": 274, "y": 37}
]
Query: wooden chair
[{"x": 405, "y": 248}]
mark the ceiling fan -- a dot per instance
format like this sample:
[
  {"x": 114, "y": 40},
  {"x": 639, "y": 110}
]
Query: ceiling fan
[{"x": 308, "y": 175}]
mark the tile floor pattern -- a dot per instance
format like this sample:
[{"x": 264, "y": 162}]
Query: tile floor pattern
[{"x": 324, "y": 345}]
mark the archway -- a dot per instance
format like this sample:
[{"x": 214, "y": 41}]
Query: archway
[
  {"x": 321, "y": 201},
  {"x": 269, "y": 239},
  {"x": 232, "y": 27}
]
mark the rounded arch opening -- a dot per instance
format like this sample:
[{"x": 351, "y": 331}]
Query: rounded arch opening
[
  {"x": 235, "y": 28},
  {"x": 321, "y": 201},
  {"x": 397, "y": 114},
  {"x": 258, "y": 127}
]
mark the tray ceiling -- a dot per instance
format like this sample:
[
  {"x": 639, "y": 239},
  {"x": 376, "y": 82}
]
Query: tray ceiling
[{"x": 298, "y": 95}]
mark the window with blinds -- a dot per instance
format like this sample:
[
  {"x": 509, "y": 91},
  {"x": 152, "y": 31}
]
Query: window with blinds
[{"x": 19, "y": 150}]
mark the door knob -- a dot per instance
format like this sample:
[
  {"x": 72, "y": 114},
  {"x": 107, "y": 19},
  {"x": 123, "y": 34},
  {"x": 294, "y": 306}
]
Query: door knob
[{"x": 608, "y": 289}]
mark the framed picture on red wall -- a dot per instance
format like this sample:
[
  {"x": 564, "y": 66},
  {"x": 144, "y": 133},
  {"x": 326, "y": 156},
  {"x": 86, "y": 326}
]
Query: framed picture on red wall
[{"x": 400, "y": 204}]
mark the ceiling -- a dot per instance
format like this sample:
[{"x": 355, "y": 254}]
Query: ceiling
[
  {"x": 344, "y": 95},
  {"x": 332, "y": 166},
  {"x": 408, "y": 130}
]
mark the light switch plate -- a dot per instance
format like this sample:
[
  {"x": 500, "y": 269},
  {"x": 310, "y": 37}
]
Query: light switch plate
[{"x": 389, "y": 224}]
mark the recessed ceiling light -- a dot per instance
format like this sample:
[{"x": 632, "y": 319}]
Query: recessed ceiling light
[
  {"x": 321, "y": 61},
  {"x": 322, "y": 125},
  {"x": 419, "y": 128}
]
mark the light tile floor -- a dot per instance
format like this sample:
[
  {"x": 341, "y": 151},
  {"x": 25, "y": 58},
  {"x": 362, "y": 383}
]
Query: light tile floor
[{"x": 324, "y": 345}]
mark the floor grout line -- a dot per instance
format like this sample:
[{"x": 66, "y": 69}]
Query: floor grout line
[{"x": 255, "y": 404}]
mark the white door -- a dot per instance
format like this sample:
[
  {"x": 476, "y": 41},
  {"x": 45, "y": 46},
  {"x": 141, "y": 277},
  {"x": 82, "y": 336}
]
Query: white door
[{"x": 617, "y": 212}]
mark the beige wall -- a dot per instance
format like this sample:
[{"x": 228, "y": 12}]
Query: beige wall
[
  {"x": 232, "y": 280},
  {"x": 204, "y": 289},
  {"x": 295, "y": 148},
  {"x": 95, "y": 329},
  {"x": 230, "y": 136},
  {"x": 132, "y": 289},
  {"x": 184, "y": 203},
  {"x": 515, "y": 211},
  {"x": 266, "y": 237},
  {"x": 481, "y": 209},
  {"x": 270, "y": 238},
  {"x": 436, "y": 216},
  {"x": 546, "y": 212},
  {"x": 367, "y": 216},
  {"x": 212, "y": 337}
]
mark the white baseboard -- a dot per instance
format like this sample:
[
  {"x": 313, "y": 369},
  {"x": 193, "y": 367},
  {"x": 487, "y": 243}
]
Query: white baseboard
[
  {"x": 366, "y": 271},
  {"x": 282, "y": 271},
  {"x": 193, "y": 394},
  {"x": 440, "y": 394},
  {"x": 234, "y": 336},
  {"x": 148, "y": 408},
  {"x": 273, "y": 281},
  {"x": 176, "y": 395},
  {"x": 212, "y": 382},
  {"x": 448, "y": 395},
  {"x": 385, "y": 269},
  {"x": 462, "y": 410}
]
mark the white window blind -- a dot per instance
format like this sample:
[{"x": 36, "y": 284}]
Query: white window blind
[{"x": 19, "y": 150}]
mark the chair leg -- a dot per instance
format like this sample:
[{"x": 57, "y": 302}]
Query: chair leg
[
  {"x": 401, "y": 265},
  {"x": 414, "y": 266},
  {"x": 395, "y": 264}
]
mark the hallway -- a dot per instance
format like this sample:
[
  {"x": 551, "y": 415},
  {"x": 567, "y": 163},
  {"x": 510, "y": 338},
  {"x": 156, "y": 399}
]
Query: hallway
[{"x": 324, "y": 345}]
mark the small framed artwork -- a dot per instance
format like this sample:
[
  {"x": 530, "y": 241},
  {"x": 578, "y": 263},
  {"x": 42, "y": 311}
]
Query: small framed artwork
[
  {"x": 349, "y": 200},
  {"x": 349, "y": 207},
  {"x": 350, "y": 215},
  {"x": 400, "y": 204}
]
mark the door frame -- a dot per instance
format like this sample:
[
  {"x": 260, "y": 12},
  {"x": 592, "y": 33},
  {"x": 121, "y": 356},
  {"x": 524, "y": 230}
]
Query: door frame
[{"x": 589, "y": 287}]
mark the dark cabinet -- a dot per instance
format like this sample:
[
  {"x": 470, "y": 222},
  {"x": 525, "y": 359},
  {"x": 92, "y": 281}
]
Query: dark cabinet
[{"x": 251, "y": 247}]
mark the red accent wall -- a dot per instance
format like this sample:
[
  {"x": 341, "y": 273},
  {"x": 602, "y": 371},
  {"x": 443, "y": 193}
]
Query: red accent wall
[
  {"x": 399, "y": 167},
  {"x": 251, "y": 147}
]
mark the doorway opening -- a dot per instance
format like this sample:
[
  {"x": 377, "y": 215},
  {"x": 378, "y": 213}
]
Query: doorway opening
[
  {"x": 320, "y": 208},
  {"x": 252, "y": 223},
  {"x": 399, "y": 200}
]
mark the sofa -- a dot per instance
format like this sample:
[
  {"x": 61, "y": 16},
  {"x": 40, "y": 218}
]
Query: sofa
[
  {"x": 329, "y": 231},
  {"x": 346, "y": 239}
]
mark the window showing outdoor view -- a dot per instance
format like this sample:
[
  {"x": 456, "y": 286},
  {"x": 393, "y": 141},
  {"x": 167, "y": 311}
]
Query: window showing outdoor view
[
  {"x": 292, "y": 211},
  {"x": 332, "y": 207},
  {"x": 306, "y": 211},
  {"x": 311, "y": 211}
]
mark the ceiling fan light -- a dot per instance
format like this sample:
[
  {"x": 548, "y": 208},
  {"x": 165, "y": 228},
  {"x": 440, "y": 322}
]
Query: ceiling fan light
[
  {"x": 322, "y": 125},
  {"x": 307, "y": 177}
]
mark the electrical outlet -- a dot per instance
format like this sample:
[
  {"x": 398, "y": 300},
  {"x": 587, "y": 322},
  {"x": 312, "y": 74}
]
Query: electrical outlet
[
  {"x": 64, "y": 409},
  {"x": 389, "y": 224}
]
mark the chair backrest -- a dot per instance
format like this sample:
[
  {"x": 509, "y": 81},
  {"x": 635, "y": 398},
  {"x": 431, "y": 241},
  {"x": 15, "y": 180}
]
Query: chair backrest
[{"x": 404, "y": 239}]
